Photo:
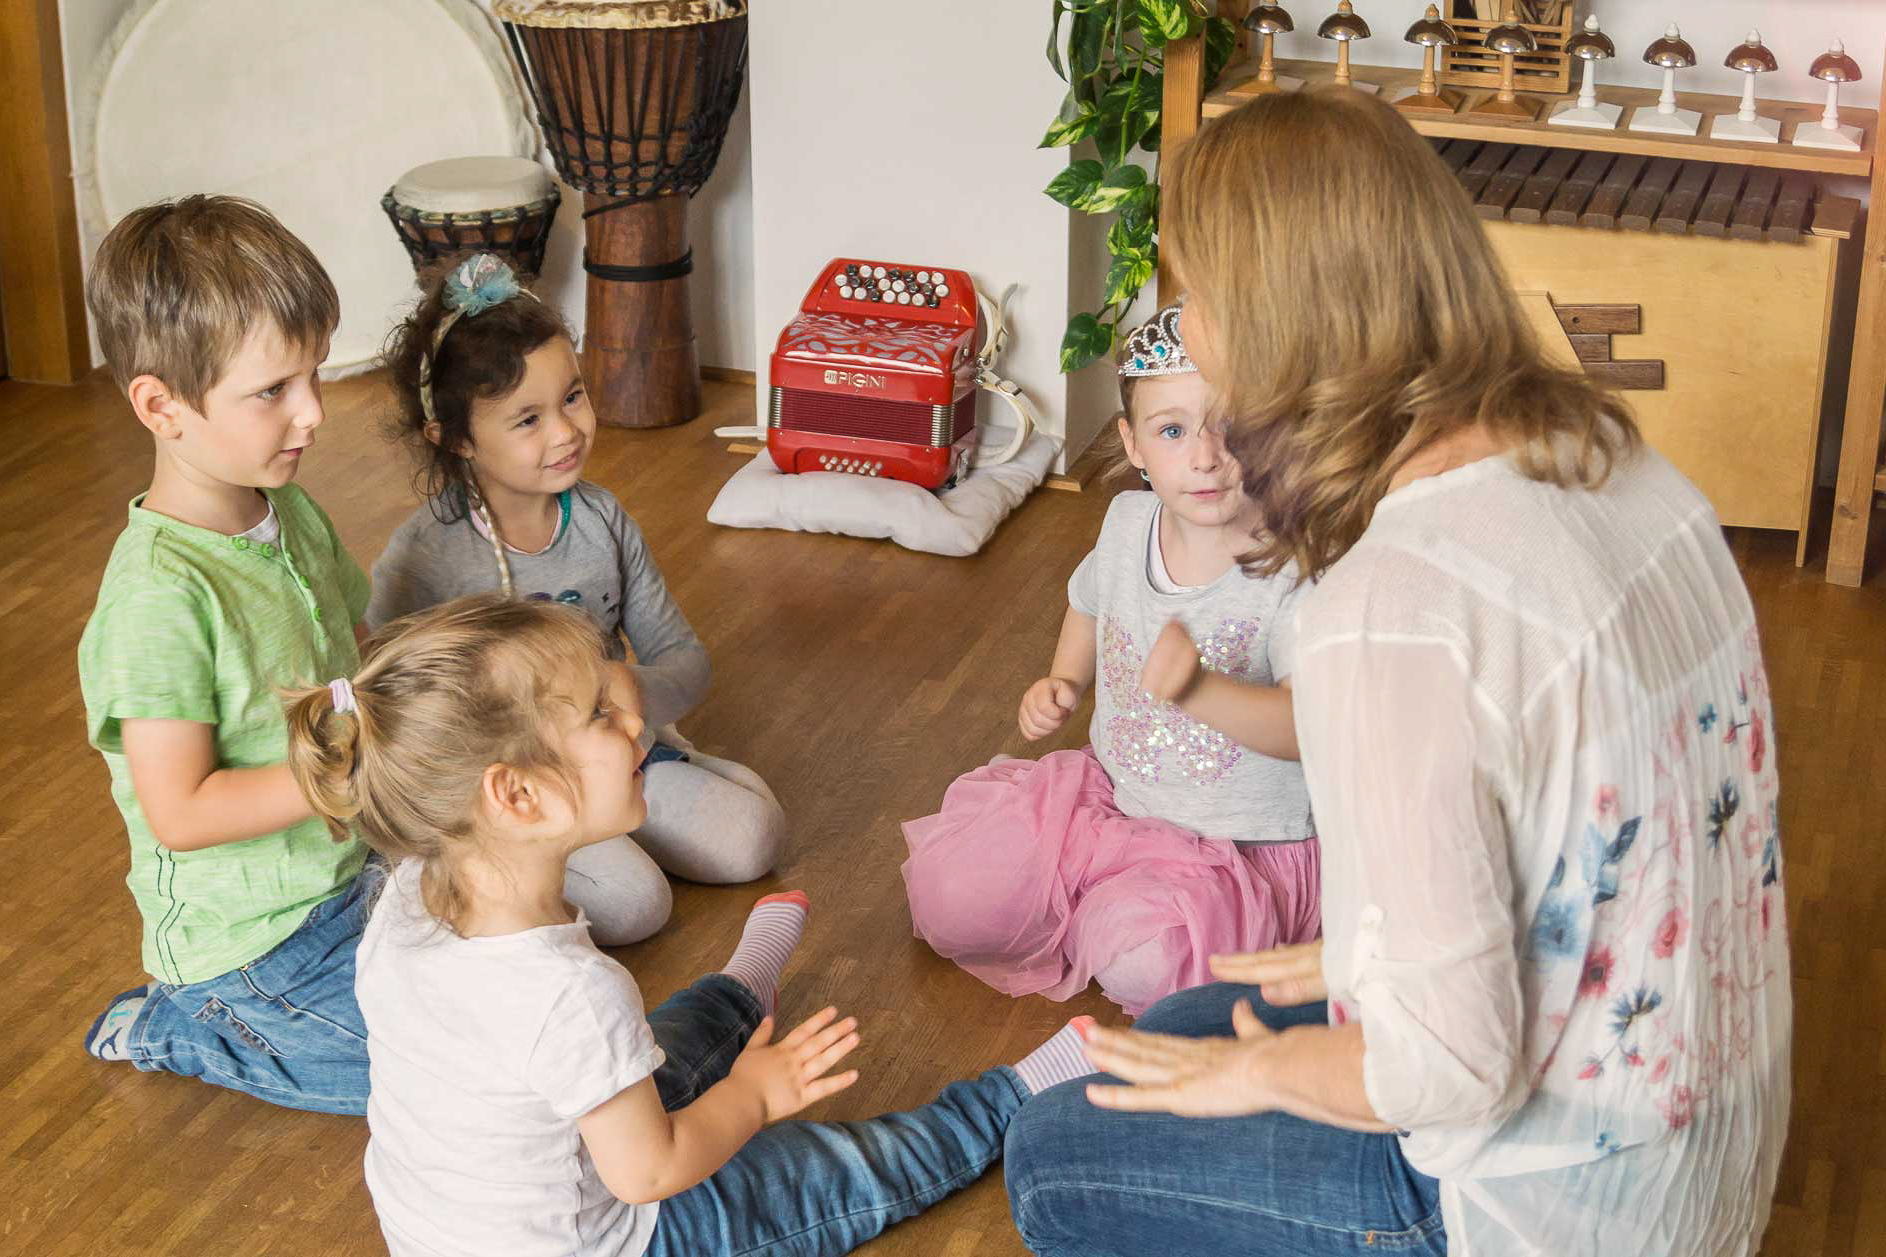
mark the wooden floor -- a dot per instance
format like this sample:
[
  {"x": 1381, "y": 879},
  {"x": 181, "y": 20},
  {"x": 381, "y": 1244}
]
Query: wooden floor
[{"x": 858, "y": 679}]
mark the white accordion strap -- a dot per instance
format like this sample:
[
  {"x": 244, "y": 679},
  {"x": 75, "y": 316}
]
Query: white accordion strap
[{"x": 1027, "y": 418}]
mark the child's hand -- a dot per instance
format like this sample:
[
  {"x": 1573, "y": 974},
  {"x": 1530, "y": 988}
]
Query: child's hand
[
  {"x": 1046, "y": 707},
  {"x": 788, "y": 1075},
  {"x": 1171, "y": 665}
]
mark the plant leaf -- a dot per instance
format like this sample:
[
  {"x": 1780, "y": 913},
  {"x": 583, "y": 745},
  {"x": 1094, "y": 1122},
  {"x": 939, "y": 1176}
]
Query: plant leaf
[
  {"x": 1054, "y": 42},
  {"x": 1086, "y": 339},
  {"x": 1221, "y": 41},
  {"x": 1126, "y": 277},
  {"x": 1162, "y": 21},
  {"x": 1065, "y": 131},
  {"x": 1135, "y": 93},
  {"x": 1087, "y": 37},
  {"x": 1130, "y": 236},
  {"x": 1075, "y": 186},
  {"x": 1115, "y": 188}
]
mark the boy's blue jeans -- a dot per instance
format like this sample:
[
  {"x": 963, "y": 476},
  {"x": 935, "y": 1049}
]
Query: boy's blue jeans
[
  {"x": 812, "y": 1187},
  {"x": 285, "y": 1027},
  {"x": 1091, "y": 1181}
]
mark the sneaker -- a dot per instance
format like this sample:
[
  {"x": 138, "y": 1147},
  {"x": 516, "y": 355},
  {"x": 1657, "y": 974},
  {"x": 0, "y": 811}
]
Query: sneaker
[{"x": 109, "y": 1039}]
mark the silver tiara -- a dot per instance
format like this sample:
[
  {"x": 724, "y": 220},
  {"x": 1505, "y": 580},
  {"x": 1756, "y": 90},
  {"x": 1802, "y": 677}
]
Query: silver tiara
[{"x": 1155, "y": 348}]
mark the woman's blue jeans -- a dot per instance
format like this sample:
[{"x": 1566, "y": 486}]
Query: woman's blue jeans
[
  {"x": 1090, "y": 1181},
  {"x": 812, "y": 1187}
]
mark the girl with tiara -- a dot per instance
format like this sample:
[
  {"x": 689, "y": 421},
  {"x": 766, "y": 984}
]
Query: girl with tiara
[
  {"x": 492, "y": 405},
  {"x": 1184, "y": 829}
]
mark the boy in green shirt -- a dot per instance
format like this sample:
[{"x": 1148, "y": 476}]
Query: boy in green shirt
[{"x": 227, "y": 582}]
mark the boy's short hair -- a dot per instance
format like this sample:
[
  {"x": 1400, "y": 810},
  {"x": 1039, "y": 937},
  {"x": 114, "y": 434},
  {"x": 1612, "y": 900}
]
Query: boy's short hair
[{"x": 176, "y": 287}]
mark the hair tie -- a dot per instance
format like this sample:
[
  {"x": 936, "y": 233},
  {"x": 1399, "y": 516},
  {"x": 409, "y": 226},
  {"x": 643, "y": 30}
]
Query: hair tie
[
  {"x": 1155, "y": 348},
  {"x": 475, "y": 285},
  {"x": 341, "y": 690}
]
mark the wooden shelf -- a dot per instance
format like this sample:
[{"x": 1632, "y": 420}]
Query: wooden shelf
[{"x": 1396, "y": 82}]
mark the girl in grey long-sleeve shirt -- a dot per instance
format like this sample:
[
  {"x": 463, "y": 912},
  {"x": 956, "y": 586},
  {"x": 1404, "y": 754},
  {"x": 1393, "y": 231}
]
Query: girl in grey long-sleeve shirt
[{"x": 502, "y": 426}]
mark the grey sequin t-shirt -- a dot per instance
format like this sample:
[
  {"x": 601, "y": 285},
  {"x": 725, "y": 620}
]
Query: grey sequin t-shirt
[
  {"x": 1163, "y": 763},
  {"x": 598, "y": 563}
]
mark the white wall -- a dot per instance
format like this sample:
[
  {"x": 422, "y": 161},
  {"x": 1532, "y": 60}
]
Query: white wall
[
  {"x": 907, "y": 131},
  {"x": 719, "y": 221}
]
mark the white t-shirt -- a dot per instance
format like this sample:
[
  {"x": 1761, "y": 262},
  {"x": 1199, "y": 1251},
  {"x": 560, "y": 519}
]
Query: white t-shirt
[
  {"x": 1539, "y": 739},
  {"x": 482, "y": 1054},
  {"x": 1163, "y": 763}
]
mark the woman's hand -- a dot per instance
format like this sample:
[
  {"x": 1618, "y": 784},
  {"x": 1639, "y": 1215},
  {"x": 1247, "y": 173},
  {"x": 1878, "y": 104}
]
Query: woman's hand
[
  {"x": 1286, "y": 975},
  {"x": 1172, "y": 665},
  {"x": 1215, "y": 1077},
  {"x": 1046, "y": 706},
  {"x": 788, "y": 1075}
]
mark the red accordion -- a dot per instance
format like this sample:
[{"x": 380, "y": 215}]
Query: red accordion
[{"x": 876, "y": 374}]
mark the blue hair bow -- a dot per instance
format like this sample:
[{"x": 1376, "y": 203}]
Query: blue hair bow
[{"x": 478, "y": 283}]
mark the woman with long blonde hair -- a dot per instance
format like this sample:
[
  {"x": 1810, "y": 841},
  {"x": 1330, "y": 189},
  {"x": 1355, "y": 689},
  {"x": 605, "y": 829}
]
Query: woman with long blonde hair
[{"x": 1550, "y": 1012}]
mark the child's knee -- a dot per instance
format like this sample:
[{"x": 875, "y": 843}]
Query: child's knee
[
  {"x": 629, "y": 916},
  {"x": 1138, "y": 976},
  {"x": 759, "y": 842}
]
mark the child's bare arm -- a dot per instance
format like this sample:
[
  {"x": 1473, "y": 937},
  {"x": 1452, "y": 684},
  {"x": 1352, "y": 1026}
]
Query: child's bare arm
[
  {"x": 644, "y": 1153},
  {"x": 1250, "y": 714},
  {"x": 189, "y": 802},
  {"x": 1050, "y": 701}
]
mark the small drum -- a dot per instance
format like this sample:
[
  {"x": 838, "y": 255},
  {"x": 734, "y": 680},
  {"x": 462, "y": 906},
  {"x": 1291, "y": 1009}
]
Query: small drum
[
  {"x": 634, "y": 97},
  {"x": 501, "y": 205}
]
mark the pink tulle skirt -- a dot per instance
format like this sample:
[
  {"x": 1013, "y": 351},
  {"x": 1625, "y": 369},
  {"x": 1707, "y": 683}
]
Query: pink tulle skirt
[{"x": 1031, "y": 879}]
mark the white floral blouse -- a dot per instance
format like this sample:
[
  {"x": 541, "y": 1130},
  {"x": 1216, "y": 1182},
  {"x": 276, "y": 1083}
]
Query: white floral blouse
[{"x": 1540, "y": 749}]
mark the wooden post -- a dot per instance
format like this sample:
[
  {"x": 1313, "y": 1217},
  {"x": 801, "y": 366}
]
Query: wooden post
[
  {"x": 1179, "y": 107},
  {"x": 1866, "y": 391},
  {"x": 42, "y": 284}
]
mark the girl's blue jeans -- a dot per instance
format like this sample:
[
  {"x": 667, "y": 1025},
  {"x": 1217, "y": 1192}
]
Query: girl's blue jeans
[
  {"x": 1090, "y": 1181},
  {"x": 812, "y": 1187}
]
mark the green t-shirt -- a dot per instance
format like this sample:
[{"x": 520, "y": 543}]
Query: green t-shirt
[{"x": 194, "y": 625}]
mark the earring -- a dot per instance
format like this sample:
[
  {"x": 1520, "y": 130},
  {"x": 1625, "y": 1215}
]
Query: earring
[{"x": 1143, "y": 476}]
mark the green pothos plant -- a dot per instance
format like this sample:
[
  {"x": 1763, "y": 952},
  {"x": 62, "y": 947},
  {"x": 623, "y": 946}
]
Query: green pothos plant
[{"x": 1114, "y": 68}]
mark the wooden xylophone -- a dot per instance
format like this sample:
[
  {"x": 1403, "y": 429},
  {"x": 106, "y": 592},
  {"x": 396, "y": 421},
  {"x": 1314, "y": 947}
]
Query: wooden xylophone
[{"x": 1523, "y": 183}]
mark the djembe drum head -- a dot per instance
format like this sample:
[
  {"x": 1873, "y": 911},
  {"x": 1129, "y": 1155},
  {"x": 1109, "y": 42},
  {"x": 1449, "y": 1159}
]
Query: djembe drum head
[{"x": 501, "y": 205}]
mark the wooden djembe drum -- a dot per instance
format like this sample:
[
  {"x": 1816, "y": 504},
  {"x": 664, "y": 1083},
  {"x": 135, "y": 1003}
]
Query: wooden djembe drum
[{"x": 634, "y": 97}]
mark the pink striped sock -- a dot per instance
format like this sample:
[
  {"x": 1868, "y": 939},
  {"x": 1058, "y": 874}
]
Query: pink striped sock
[
  {"x": 766, "y": 944},
  {"x": 1057, "y": 1060}
]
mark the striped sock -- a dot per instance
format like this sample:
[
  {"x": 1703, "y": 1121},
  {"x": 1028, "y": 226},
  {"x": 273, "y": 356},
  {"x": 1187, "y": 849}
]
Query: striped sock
[
  {"x": 1057, "y": 1060},
  {"x": 772, "y": 931}
]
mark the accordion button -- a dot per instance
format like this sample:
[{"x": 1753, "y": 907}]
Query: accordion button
[
  {"x": 934, "y": 302},
  {"x": 897, "y": 285},
  {"x": 942, "y": 290},
  {"x": 877, "y": 272},
  {"x": 844, "y": 290},
  {"x": 923, "y": 277},
  {"x": 903, "y": 298}
]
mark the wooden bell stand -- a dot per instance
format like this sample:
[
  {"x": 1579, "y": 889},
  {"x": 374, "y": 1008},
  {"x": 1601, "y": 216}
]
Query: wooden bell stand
[{"x": 1751, "y": 492}]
